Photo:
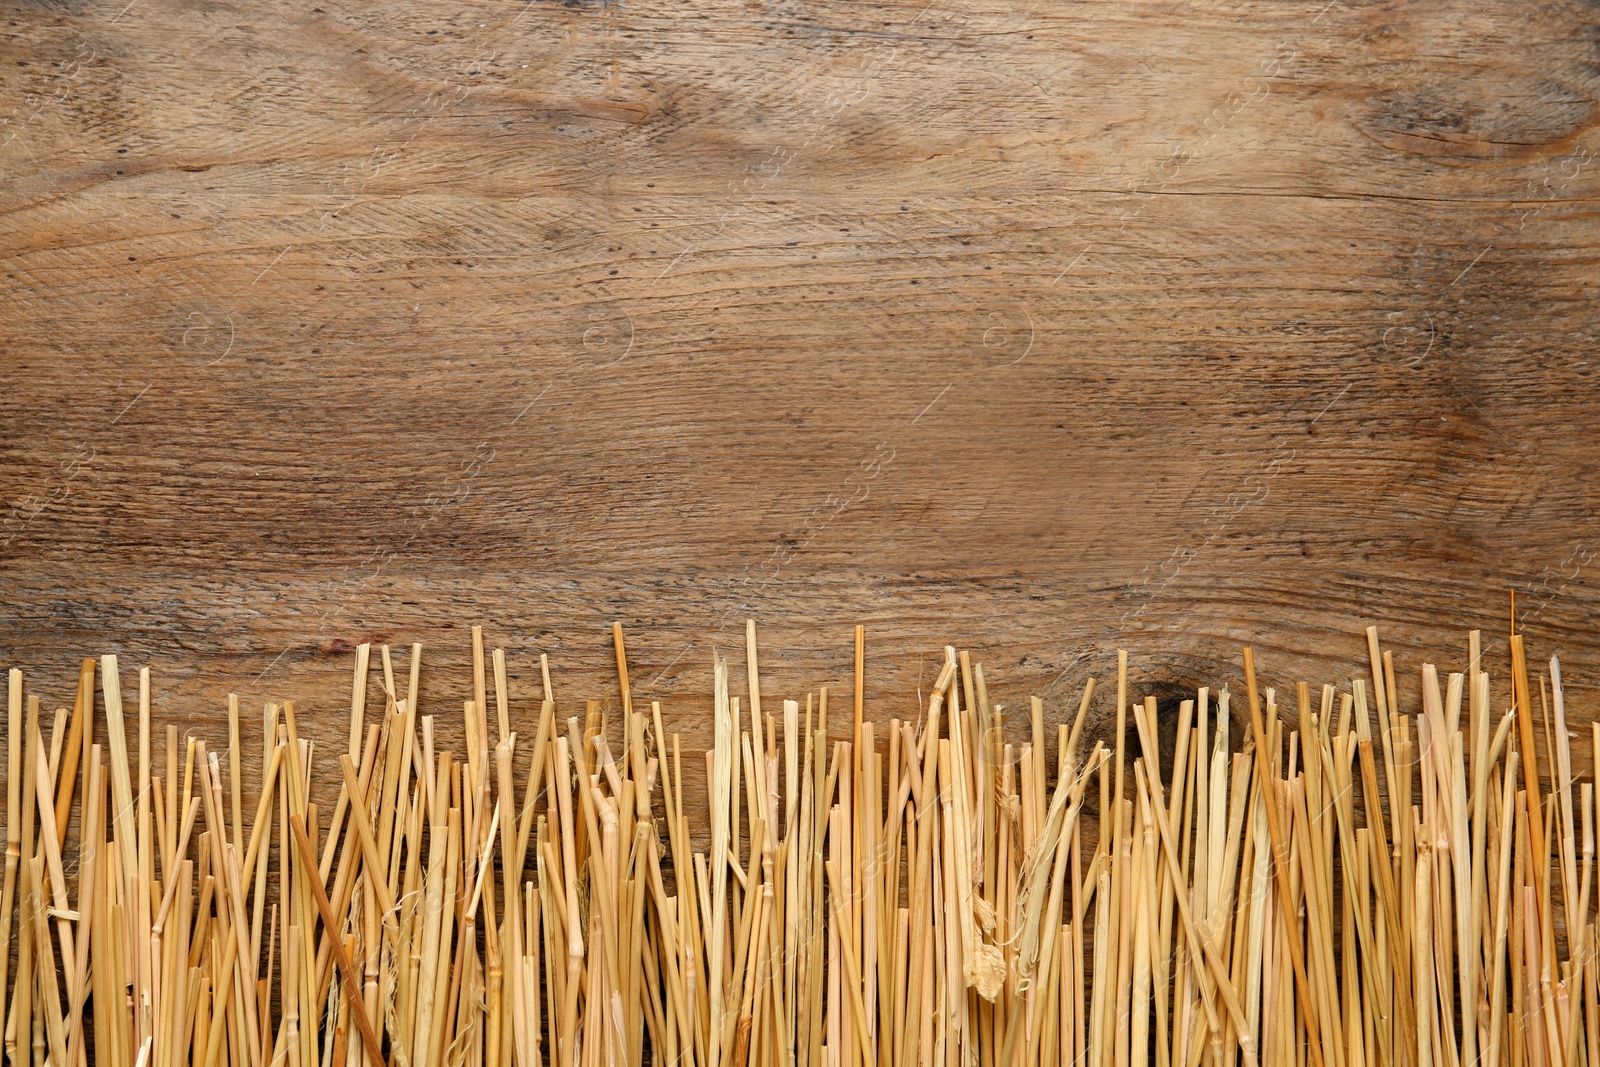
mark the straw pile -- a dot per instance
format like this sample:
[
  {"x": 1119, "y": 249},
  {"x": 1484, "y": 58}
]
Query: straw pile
[{"x": 1365, "y": 879}]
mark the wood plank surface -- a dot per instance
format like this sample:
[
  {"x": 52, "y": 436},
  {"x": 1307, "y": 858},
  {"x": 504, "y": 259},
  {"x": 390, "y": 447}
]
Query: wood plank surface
[{"x": 1039, "y": 329}]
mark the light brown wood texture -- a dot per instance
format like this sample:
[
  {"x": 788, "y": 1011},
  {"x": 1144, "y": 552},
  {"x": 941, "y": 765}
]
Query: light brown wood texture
[{"x": 1041, "y": 329}]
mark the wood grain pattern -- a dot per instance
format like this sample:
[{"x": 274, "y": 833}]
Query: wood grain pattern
[{"x": 1039, "y": 329}]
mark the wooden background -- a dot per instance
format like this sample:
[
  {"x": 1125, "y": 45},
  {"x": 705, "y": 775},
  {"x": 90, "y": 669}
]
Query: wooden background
[{"x": 1036, "y": 328}]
